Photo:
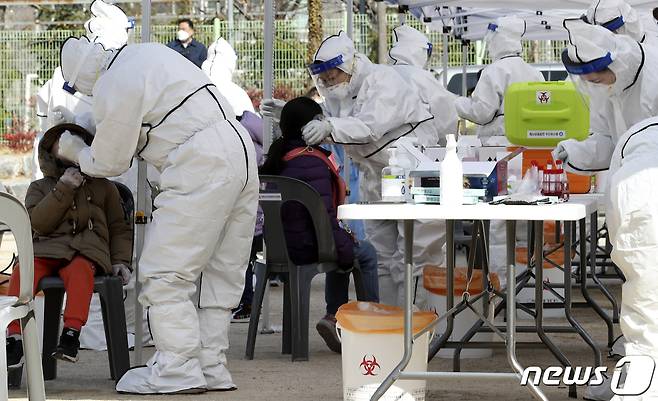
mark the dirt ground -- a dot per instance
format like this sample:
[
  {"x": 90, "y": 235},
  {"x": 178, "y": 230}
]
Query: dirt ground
[{"x": 272, "y": 376}]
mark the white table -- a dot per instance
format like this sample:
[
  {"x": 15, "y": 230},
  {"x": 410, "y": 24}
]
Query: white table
[{"x": 570, "y": 212}]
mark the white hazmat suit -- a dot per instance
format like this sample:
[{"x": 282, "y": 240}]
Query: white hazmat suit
[
  {"x": 485, "y": 107},
  {"x": 377, "y": 107},
  {"x": 614, "y": 109},
  {"x": 619, "y": 17},
  {"x": 108, "y": 26},
  {"x": 149, "y": 100},
  {"x": 220, "y": 66},
  {"x": 410, "y": 54},
  {"x": 628, "y": 101},
  {"x": 632, "y": 217}
]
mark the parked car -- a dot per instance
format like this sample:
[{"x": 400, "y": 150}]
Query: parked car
[{"x": 552, "y": 72}]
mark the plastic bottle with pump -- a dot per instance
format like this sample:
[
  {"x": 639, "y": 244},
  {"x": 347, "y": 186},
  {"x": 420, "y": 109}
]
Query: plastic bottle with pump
[
  {"x": 452, "y": 175},
  {"x": 394, "y": 179}
]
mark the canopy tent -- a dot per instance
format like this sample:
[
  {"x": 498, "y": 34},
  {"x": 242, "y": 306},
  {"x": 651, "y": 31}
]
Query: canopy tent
[{"x": 468, "y": 19}]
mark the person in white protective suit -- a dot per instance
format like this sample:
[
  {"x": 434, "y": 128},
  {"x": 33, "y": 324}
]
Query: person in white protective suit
[
  {"x": 485, "y": 107},
  {"x": 614, "y": 72},
  {"x": 632, "y": 218},
  {"x": 410, "y": 55},
  {"x": 220, "y": 66},
  {"x": 150, "y": 101},
  {"x": 108, "y": 26},
  {"x": 617, "y": 74},
  {"x": 367, "y": 108},
  {"x": 619, "y": 17}
]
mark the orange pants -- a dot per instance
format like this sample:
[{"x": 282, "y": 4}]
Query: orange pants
[{"x": 78, "y": 276}]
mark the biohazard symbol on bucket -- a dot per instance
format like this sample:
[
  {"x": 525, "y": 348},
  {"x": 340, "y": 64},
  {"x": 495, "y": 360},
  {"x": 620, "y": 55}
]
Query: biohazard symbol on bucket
[{"x": 369, "y": 366}]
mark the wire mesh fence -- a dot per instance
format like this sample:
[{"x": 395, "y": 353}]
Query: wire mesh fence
[{"x": 28, "y": 58}]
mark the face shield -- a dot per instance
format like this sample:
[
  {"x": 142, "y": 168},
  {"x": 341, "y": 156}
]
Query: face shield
[
  {"x": 583, "y": 75},
  {"x": 488, "y": 37},
  {"x": 332, "y": 77},
  {"x": 83, "y": 62},
  {"x": 69, "y": 85}
]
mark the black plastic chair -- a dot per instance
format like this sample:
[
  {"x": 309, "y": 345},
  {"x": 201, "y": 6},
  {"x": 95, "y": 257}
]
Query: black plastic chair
[
  {"x": 110, "y": 291},
  {"x": 275, "y": 191}
]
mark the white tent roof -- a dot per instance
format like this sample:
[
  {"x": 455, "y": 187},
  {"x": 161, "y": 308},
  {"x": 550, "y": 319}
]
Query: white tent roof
[
  {"x": 521, "y": 4},
  {"x": 469, "y": 18}
]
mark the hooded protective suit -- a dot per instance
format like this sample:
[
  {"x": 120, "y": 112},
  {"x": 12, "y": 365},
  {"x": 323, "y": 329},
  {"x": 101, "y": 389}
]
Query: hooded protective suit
[
  {"x": 149, "y": 100},
  {"x": 632, "y": 218},
  {"x": 619, "y": 17},
  {"x": 379, "y": 107},
  {"x": 108, "y": 26},
  {"x": 220, "y": 66},
  {"x": 632, "y": 98},
  {"x": 410, "y": 53},
  {"x": 485, "y": 107}
]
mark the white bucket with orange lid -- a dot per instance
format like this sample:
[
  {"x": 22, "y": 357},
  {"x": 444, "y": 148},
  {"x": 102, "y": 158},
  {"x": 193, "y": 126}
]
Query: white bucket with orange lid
[{"x": 373, "y": 345}]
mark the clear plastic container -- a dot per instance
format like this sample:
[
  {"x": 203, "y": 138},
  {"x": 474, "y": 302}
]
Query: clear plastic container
[{"x": 394, "y": 180}]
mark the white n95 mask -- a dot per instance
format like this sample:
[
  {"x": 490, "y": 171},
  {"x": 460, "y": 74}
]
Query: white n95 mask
[{"x": 182, "y": 35}]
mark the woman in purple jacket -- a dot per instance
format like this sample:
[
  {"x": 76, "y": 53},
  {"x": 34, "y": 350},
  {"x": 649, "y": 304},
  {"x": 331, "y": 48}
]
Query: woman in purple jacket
[{"x": 298, "y": 226}]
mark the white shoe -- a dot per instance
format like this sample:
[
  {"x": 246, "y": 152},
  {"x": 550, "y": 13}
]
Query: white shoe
[
  {"x": 219, "y": 379},
  {"x": 164, "y": 374}
]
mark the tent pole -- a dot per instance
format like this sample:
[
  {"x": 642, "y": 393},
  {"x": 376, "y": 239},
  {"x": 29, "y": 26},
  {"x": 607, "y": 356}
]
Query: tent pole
[
  {"x": 446, "y": 38},
  {"x": 382, "y": 43},
  {"x": 141, "y": 218},
  {"x": 349, "y": 8},
  {"x": 268, "y": 71},
  {"x": 231, "y": 27},
  {"x": 464, "y": 62}
]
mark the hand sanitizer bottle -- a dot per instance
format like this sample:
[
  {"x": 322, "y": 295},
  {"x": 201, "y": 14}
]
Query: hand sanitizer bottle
[
  {"x": 394, "y": 180},
  {"x": 452, "y": 175}
]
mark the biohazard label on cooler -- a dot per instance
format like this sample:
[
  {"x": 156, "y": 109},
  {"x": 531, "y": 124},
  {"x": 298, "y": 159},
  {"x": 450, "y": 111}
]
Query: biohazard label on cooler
[
  {"x": 543, "y": 97},
  {"x": 547, "y": 133}
]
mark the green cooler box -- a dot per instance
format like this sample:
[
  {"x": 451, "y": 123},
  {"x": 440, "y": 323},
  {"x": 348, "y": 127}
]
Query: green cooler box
[{"x": 541, "y": 114}]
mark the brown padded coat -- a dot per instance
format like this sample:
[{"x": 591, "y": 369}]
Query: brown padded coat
[{"x": 66, "y": 221}]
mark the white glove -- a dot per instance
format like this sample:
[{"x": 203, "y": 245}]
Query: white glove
[
  {"x": 272, "y": 108},
  {"x": 315, "y": 131},
  {"x": 560, "y": 152},
  {"x": 121, "y": 270},
  {"x": 70, "y": 147},
  {"x": 72, "y": 177},
  {"x": 62, "y": 115},
  {"x": 86, "y": 121}
]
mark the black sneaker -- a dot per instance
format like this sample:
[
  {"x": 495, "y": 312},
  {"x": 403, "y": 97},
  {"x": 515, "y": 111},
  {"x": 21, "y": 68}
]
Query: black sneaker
[
  {"x": 241, "y": 314},
  {"x": 69, "y": 342},
  {"x": 15, "y": 357},
  {"x": 326, "y": 327}
]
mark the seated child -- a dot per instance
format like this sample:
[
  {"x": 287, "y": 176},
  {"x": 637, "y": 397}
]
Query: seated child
[
  {"x": 290, "y": 156},
  {"x": 79, "y": 231}
]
